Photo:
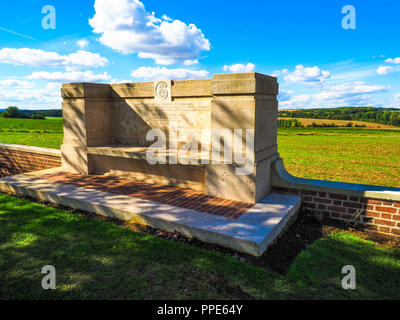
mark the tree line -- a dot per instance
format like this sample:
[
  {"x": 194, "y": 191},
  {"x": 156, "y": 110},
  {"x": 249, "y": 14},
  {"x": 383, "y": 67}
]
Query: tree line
[
  {"x": 15, "y": 112},
  {"x": 389, "y": 116},
  {"x": 294, "y": 123}
]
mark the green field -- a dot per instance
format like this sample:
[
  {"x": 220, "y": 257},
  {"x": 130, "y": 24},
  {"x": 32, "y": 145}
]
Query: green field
[
  {"x": 46, "y": 133},
  {"x": 96, "y": 259},
  {"x": 355, "y": 155}
]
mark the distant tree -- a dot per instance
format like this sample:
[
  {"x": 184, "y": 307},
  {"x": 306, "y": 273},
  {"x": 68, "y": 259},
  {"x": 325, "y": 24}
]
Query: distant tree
[
  {"x": 44, "y": 113},
  {"x": 13, "y": 112},
  {"x": 289, "y": 123},
  {"x": 390, "y": 116},
  {"x": 37, "y": 116}
]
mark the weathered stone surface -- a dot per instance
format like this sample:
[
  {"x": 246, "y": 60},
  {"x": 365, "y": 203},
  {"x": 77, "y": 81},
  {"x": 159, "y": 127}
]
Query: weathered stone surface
[{"x": 103, "y": 116}]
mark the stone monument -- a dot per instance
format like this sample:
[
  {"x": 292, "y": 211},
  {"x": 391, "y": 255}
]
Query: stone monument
[{"x": 106, "y": 130}]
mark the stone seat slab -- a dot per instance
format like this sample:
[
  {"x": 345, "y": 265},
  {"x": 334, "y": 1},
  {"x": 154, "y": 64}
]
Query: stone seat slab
[{"x": 132, "y": 152}]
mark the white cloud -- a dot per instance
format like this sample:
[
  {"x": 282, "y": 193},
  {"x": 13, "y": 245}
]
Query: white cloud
[
  {"x": 236, "y": 68},
  {"x": 190, "y": 62},
  {"x": 149, "y": 73},
  {"x": 278, "y": 73},
  {"x": 394, "y": 61},
  {"x": 33, "y": 98},
  {"x": 127, "y": 27},
  {"x": 384, "y": 70},
  {"x": 285, "y": 95},
  {"x": 16, "y": 83},
  {"x": 166, "y": 18},
  {"x": 39, "y": 58},
  {"x": 346, "y": 94},
  {"x": 309, "y": 76},
  {"x": 74, "y": 76},
  {"x": 395, "y": 101},
  {"x": 356, "y": 87},
  {"x": 82, "y": 43},
  {"x": 113, "y": 81}
]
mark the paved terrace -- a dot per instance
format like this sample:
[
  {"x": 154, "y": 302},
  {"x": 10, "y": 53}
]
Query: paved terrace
[
  {"x": 241, "y": 226},
  {"x": 179, "y": 197}
]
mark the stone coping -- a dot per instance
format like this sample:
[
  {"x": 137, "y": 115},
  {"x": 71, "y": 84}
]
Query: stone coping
[
  {"x": 281, "y": 178},
  {"x": 39, "y": 150},
  {"x": 221, "y": 84}
]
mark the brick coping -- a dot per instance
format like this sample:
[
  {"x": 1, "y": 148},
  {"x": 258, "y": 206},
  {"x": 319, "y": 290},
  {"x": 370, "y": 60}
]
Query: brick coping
[{"x": 31, "y": 149}]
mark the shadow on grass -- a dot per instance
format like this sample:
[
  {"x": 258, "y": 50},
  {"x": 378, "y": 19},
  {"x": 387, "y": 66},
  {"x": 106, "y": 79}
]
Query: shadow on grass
[
  {"x": 100, "y": 260},
  {"x": 316, "y": 272}
]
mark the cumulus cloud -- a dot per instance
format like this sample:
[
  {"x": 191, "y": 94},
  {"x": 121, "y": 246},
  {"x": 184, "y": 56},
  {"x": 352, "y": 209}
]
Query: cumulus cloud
[
  {"x": 39, "y": 98},
  {"x": 127, "y": 27},
  {"x": 74, "y": 76},
  {"x": 384, "y": 70},
  {"x": 394, "y": 61},
  {"x": 149, "y": 73},
  {"x": 308, "y": 76},
  {"x": 235, "y": 68},
  {"x": 82, "y": 43},
  {"x": 39, "y": 58},
  {"x": 352, "y": 93}
]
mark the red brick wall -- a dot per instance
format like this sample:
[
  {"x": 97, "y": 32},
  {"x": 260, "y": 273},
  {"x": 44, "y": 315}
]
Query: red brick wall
[
  {"x": 379, "y": 216},
  {"x": 18, "y": 161}
]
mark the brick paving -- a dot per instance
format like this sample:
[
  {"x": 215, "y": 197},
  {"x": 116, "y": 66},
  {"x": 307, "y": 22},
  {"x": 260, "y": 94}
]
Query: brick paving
[{"x": 179, "y": 197}]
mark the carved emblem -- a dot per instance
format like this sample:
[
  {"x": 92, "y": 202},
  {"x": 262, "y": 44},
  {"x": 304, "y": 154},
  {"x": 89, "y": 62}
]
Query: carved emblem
[{"x": 162, "y": 90}]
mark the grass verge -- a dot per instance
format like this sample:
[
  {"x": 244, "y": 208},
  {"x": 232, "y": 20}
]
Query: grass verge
[{"x": 95, "y": 259}]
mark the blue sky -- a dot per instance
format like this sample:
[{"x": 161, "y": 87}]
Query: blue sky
[{"x": 303, "y": 43}]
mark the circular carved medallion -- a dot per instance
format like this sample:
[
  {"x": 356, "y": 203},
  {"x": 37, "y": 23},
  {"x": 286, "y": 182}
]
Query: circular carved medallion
[{"x": 162, "y": 90}]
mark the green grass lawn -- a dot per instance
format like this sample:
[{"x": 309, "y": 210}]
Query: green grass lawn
[
  {"x": 354, "y": 155},
  {"x": 95, "y": 259},
  {"x": 46, "y": 133}
]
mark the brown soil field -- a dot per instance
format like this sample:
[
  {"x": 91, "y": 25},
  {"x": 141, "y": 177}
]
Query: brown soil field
[{"x": 308, "y": 121}]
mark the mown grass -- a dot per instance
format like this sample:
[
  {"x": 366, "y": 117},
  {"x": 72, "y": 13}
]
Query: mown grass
[
  {"x": 365, "y": 156},
  {"x": 46, "y": 133},
  {"x": 101, "y": 260},
  {"x": 356, "y": 155}
]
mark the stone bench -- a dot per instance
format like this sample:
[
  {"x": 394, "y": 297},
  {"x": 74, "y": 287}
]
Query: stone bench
[
  {"x": 105, "y": 128},
  {"x": 139, "y": 153},
  {"x": 130, "y": 162}
]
